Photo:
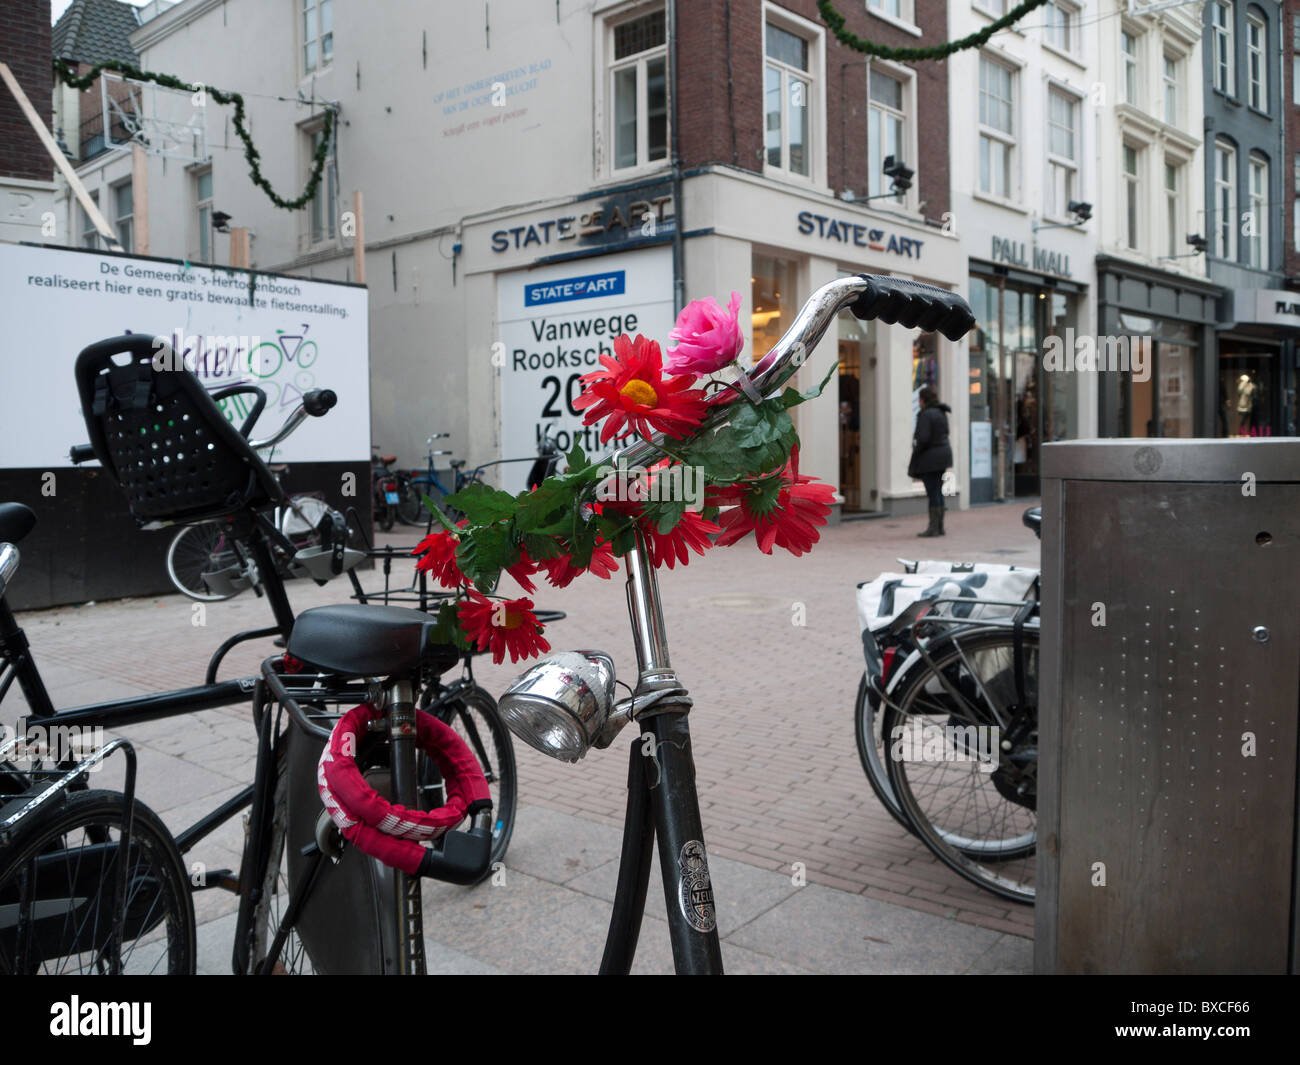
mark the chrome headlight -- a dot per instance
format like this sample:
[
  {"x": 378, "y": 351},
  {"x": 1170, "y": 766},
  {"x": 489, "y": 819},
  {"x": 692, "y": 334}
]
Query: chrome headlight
[{"x": 562, "y": 704}]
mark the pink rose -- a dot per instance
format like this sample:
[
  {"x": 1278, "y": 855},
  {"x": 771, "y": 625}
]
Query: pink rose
[{"x": 707, "y": 337}]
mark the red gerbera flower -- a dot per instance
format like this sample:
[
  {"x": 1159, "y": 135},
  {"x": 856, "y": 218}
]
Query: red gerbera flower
[
  {"x": 437, "y": 553},
  {"x": 786, "y": 514},
  {"x": 693, "y": 531},
  {"x": 632, "y": 395},
  {"x": 522, "y": 570},
  {"x": 501, "y": 625},
  {"x": 561, "y": 571}
]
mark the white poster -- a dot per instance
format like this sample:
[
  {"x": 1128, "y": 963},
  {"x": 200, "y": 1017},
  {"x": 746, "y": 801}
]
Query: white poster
[
  {"x": 555, "y": 322},
  {"x": 297, "y": 335},
  {"x": 981, "y": 450}
]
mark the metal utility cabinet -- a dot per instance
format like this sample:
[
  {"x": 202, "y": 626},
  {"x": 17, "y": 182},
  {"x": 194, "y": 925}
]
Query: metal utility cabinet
[{"x": 1169, "y": 699}]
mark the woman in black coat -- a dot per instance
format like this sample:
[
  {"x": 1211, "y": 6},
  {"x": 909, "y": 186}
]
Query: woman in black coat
[{"x": 931, "y": 455}]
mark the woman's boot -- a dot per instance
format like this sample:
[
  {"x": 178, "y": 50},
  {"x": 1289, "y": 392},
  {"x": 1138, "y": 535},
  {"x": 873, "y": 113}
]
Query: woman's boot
[
  {"x": 935, "y": 527},
  {"x": 938, "y": 521}
]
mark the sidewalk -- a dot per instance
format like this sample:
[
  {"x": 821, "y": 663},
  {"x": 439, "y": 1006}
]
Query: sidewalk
[{"x": 778, "y": 772}]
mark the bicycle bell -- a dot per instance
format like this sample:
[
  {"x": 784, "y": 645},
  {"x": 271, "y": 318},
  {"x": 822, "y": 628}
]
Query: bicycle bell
[{"x": 562, "y": 705}]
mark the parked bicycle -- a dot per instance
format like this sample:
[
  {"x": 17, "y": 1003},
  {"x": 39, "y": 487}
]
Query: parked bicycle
[
  {"x": 384, "y": 490},
  {"x": 63, "y": 847},
  {"x": 946, "y": 718}
]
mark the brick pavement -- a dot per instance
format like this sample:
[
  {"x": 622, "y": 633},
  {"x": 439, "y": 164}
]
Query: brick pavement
[{"x": 778, "y": 771}]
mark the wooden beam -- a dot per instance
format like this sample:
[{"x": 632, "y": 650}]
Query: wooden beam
[
  {"x": 60, "y": 160},
  {"x": 139, "y": 198},
  {"x": 358, "y": 238},
  {"x": 239, "y": 246}
]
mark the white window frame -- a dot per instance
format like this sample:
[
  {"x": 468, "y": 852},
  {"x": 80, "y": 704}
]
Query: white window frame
[
  {"x": 640, "y": 60},
  {"x": 1069, "y": 22},
  {"x": 1225, "y": 202},
  {"x": 1258, "y": 253},
  {"x": 1222, "y": 35},
  {"x": 1172, "y": 83},
  {"x": 1009, "y": 140},
  {"x": 904, "y": 20},
  {"x": 1130, "y": 64},
  {"x": 1055, "y": 161},
  {"x": 316, "y": 35},
  {"x": 907, "y": 137},
  {"x": 1133, "y": 237},
  {"x": 127, "y": 241},
  {"x": 1176, "y": 199},
  {"x": 815, "y": 76},
  {"x": 993, "y": 8},
  {"x": 326, "y": 198},
  {"x": 1256, "y": 62},
  {"x": 203, "y": 214}
]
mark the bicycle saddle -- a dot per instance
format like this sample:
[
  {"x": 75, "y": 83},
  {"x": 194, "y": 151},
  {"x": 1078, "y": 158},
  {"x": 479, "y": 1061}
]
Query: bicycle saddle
[
  {"x": 368, "y": 641},
  {"x": 16, "y": 521}
]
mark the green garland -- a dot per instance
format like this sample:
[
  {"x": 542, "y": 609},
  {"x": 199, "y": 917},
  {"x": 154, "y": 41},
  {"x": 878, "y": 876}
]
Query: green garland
[
  {"x": 70, "y": 78},
  {"x": 835, "y": 21}
]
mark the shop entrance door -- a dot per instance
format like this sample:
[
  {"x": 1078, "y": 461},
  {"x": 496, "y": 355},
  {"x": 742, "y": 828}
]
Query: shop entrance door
[
  {"x": 857, "y": 415},
  {"x": 1247, "y": 392}
]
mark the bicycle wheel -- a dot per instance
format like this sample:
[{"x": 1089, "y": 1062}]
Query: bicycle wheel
[
  {"x": 200, "y": 549},
  {"x": 59, "y": 882},
  {"x": 265, "y": 359},
  {"x": 411, "y": 510},
  {"x": 871, "y": 751},
  {"x": 963, "y": 757},
  {"x": 306, "y": 354},
  {"x": 473, "y": 714}
]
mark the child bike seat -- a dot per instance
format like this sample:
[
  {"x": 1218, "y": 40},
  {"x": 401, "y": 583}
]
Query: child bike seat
[{"x": 159, "y": 434}]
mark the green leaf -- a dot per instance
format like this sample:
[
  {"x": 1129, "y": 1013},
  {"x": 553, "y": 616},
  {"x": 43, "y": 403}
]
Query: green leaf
[
  {"x": 576, "y": 458},
  {"x": 482, "y": 504},
  {"x": 484, "y": 552},
  {"x": 446, "y": 628},
  {"x": 791, "y": 398},
  {"x": 540, "y": 547},
  {"x": 665, "y": 515},
  {"x": 436, "y": 511}
]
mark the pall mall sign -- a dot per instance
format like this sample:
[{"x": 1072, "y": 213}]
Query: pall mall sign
[{"x": 1018, "y": 253}]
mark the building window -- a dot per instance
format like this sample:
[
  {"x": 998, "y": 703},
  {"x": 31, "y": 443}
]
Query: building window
[
  {"x": 1295, "y": 59},
  {"x": 886, "y": 127},
  {"x": 124, "y": 214},
  {"x": 324, "y": 205},
  {"x": 1062, "y": 152},
  {"x": 203, "y": 198},
  {"x": 638, "y": 88},
  {"x": 787, "y": 102},
  {"x": 1132, "y": 196},
  {"x": 1259, "y": 212},
  {"x": 317, "y": 34},
  {"x": 1062, "y": 26},
  {"x": 997, "y": 7},
  {"x": 1173, "y": 206},
  {"x": 1225, "y": 201},
  {"x": 997, "y": 128},
  {"x": 90, "y": 233},
  {"x": 899, "y": 10},
  {"x": 1221, "y": 23},
  {"x": 1171, "y": 90},
  {"x": 1256, "y": 64},
  {"x": 1129, "y": 47},
  {"x": 1295, "y": 224}
]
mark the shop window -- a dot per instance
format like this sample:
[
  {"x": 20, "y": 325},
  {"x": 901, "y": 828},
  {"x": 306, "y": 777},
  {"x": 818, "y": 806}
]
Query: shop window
[
  {"x": 773, "y": 283},
  {"x": 1062, "y": 152},
  {"x": 1256, "y": 61},
  {"x": 317, "y": 35},
  {"x": 124, "y": 215},
  {"x": 638, "y": 91},
  {"x": 887, "y": 128},
  {"x": 788, "y": 89},
  {"x": 997, "y": 127},
  {"x": 1221, "y": 29},
  {"x": 1259, "y": 215},
  {"x": 1246, "y": 380},
  {"x": 1225, "y": 200}
]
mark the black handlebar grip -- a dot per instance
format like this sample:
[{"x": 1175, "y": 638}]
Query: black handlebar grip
[
  {"x": 81, "y": 453},
  {"x": 318, "y": 401},
  {"x": 897, "y": 300}
]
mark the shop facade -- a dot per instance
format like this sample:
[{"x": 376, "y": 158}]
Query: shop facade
[
  {"x": 546, "y": 289},
  {"x": 1256, "y": 368}
]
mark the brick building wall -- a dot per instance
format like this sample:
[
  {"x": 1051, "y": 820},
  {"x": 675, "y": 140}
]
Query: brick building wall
[
  {"x": 721, "y": 118},
  {"x": 25, "y": 46},
  {"x": 1291, "y": 120}
]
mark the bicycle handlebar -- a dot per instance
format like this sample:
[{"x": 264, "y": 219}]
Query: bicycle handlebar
[
  {"x": 894, "y": 300},
  {"x": 80, "y": 453},
  {"x": 316, "y": 403}
]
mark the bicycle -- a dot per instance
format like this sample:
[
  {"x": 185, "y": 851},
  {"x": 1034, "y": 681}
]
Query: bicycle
[
  {"x": 134, "y": 413},
  {"x": 563, "y": 706},
  {"x": 944, "y": 673},
  {"x": 266, "y": 358},
  {"x": 385, "y": 489}
]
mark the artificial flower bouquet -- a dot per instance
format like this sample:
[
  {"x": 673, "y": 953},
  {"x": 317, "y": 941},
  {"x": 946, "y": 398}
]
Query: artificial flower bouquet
[{"x": 708, "y": 487}]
